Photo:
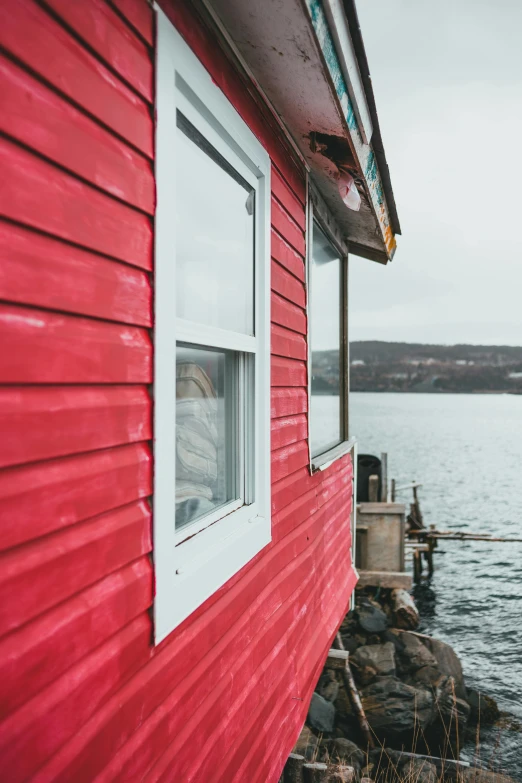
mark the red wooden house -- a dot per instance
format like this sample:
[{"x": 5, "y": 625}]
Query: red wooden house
[{"x": 177, "y": 196}]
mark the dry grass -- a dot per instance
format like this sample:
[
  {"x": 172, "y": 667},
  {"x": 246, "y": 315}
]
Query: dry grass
[{"x": 393, "y": 767}]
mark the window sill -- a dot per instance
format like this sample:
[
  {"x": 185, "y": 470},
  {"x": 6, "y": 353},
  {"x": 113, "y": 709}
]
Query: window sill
[
  {"x": 203, "y": 564},
  {"x": 323, "y": 461}
]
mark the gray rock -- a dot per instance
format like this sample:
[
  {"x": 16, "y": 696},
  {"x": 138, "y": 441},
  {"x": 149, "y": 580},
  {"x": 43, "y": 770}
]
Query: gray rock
[
  {"x": 307, "y": 744},
  {"x": 380, "y": 657},
  {"x": 346, "y": 752},
  {"x": 342, "y": 774},
  {"x": 395, "y": 710},
  {"x": 473, "y": 775},
  {"x": 428, "y": 676},
  {"x": 328, "y": 686},
  {"x": 414, "y": 654},
  {"x": 451, "y": 716},
  {"x": 448, "y": 663},
  {"x": 371, "y": 618},
  {"x": 483, "y": 709},
  {"x": 420, "y": 771},
  {"x": 321, "y": 714},
  {"x": 449, "y": 707}
]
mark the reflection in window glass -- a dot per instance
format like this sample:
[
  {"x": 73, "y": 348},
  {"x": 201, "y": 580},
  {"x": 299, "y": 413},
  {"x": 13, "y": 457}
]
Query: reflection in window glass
[
  {"x": 215, "y": 237},
  {"x": 206, "y": 438},
  {"x": 326, "y": 341}
]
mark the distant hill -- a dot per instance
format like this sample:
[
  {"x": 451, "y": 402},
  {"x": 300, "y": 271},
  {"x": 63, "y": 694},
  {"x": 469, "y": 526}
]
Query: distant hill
[{"x": 382, "y": 366}]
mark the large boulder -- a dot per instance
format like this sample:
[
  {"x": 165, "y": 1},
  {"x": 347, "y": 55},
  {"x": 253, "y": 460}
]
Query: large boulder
[
  {"x": 448, "y": 663},
  {"x": 344, "y": 751},
  {"x": 379, "y": 657},
  {"x": 321, "y": 714},
  {"x": 451, "y": 717},
  {"x": 307, "y": 744},
  {"x": 483, "y": 709},
  {"x": 413, "y": 654},
  {"x": 341, "y": 774},
  {"x": 474, "y": 775},
  {"x": 419, "y": 771},
  {"x": 395, "y": 710},
  {"x": 427, "y": 677},
  {"x": 328, "y": 687},
  {"x": 371, "y": 617}
]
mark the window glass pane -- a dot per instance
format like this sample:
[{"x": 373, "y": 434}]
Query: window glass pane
[
  {"x": 214, "y": 237},
  {"x": 206, "y": 431},
  {"x": 325, "y": 335}
]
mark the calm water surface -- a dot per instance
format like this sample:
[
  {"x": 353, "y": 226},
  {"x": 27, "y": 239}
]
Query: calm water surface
[{"x": 467, "y": 452}]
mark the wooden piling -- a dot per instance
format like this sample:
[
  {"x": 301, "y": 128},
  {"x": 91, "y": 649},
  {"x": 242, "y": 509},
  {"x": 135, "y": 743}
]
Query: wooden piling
[
  {"x": 384, "y": 478},
  {"x": 293, "y": 771},
  {"x": 373, "y": 489},
  {"x": 353, "y": 695},
  {"x": 315, "y": 772}
]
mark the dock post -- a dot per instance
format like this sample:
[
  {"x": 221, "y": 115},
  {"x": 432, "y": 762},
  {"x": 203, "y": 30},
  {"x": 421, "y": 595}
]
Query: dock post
[
  {"x": 373, "y": 489},
  {"x": 384, "y": 477},
  {"x": 293, "y": 771}
]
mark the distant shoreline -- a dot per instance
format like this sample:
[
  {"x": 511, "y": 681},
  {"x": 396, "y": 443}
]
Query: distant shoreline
[{"x": 436, "y": 391}]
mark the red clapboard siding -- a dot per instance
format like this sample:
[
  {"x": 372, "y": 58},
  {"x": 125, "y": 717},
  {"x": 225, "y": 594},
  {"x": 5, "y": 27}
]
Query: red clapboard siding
[
  {"x": 41, "y": 651},
  {"x": 71, "y": 279},
  {"x": 274, "y": 704},
  {"x": 95, "y": 22},
  {"x": 42, "y": 196},
  {"x": 289, "y": 459},
  {"x": 39, "y": 498},
  {"x": 265, "y": 760},
  {"x": 335, "y": 484},
  {"x": 287, "y": 314},
  {"x": 288, "y": 402},
  {"x": 39, "y": 728},
  {"x": 288, "y": 199},
  {"x": 56, "y": 567},
  {"x": 288, "y": 489},
  {"x": 29, "y": 33},
  {"x": 53, "y": 348},
  {"x": 286, "y": 285},
  {"x": 288, "y": 343},
  {"x": 243, "y": 614},
  {"x": 286, "y": 226},
  {"x": 294, "y": 514},
  {"x": 265, "y": 669},
  {"x": 61, "y": 420},
  {"x": 287, "y": 372},
  {"x": 39, "y": 118},
  {"x": 290, "y": 429},
  {"x": 287, "y": 256},
  {"x": 85, "y": 695},
  {"x": 139, "y": 15}
]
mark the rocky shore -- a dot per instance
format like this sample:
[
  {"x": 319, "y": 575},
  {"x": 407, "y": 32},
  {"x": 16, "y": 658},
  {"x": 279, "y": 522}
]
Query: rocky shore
[{"x": 414, "y": 696}]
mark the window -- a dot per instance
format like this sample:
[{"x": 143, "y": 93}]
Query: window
[
  {"x": 212, "y": 356},
  {"x": 327, "y": 278}
]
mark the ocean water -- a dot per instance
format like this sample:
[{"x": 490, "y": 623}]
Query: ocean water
[{"x": 466, "y": 450}]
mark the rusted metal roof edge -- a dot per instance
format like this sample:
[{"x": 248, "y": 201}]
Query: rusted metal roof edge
[{"x": 378, "y": 147}]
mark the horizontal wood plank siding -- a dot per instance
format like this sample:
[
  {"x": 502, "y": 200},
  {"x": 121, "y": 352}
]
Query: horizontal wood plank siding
[
  {"x": 36, "y": 39},
  {"x": 84, "y": 694}
]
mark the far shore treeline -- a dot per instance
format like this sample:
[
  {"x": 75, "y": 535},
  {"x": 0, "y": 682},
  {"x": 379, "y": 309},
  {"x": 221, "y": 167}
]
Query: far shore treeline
[{"x": 414, "y": 367}]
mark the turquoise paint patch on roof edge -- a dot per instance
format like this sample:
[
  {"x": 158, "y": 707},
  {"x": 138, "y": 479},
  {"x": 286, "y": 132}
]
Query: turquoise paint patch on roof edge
[
  {"x": 326, "y": 42},
  {"x": 320, "y": 25}
]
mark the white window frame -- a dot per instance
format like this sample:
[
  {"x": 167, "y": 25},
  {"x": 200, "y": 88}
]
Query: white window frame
[
  {"x": 319, "y": 213},
  {"x": 194, "y": 563}
]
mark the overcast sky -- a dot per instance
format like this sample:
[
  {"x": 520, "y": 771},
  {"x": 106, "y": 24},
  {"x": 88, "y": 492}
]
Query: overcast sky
[{"x": 447, "y": 77}]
